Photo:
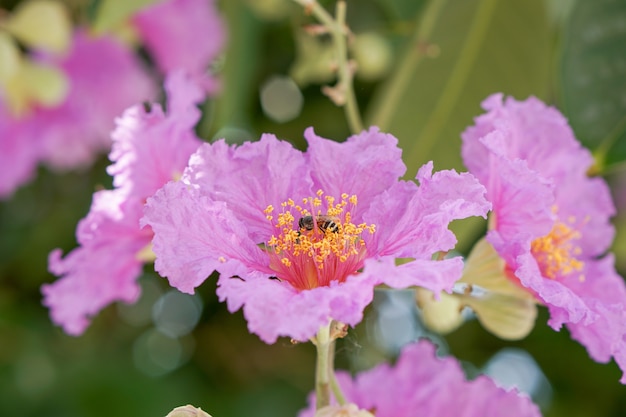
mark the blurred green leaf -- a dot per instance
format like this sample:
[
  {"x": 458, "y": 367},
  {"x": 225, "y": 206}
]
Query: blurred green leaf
[
  {"x": 485, "y": 47},
  {"x": 111, "y": 14},
  {"x": 593, "y": 69}
]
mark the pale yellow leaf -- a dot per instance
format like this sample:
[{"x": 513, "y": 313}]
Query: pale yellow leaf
[
  {"x": 507, "y": 317},
  {"x": 10, "y": 59},
  {"x": 41, "y": 24},
  {"x": 441, "y": 316},
  {"x": 112, "y": 14},
  {"x": 47, "y": 85}
]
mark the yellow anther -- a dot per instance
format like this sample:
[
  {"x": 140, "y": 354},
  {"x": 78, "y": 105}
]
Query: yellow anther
[
  {"x": 556, "y": 252},
  {"x": 268, "y": 209}
]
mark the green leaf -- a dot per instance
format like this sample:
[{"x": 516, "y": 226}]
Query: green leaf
[
  {"x": 41, "y": 24},
  {"x": 112, "y": 14},
  {"x": 484, "y": 47},
  {"x": 593, "y": 69}
]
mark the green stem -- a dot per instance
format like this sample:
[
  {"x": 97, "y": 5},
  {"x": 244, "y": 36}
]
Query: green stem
[
  {"x": 337, "y": 28},
  {"x": 391, "y": 93},
  {"x": 323, "y": 366},
  {"x": 456, "y": 81}
]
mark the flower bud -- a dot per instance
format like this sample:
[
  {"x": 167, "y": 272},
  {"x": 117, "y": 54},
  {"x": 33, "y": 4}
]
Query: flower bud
[
  {"x": 187, "y": 411},
  {"x": 348, "y": 410}
]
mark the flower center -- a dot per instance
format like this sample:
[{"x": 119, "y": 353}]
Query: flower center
[
  {"x": 316, "y": 242},
  {"x": 556, "y": 252}
]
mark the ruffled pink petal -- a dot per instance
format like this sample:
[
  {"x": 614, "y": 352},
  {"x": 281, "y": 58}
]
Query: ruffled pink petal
[
  {"x": 422, "y": 384},
  {"x": 195, "y": 235},
  {"x": 105, "y": 78},
  {"x": 436, "y": 276},
  {"x": 182, "y": 34},
  {"x": 588, "y": 201},
  {"x": 413, "y": 221},
  {"x": 365, "y": 164},
  {"x": 539, "y": 134},
  {"x": 250, "y": 177},
  {"x": 605, "y": 294},
  {"x": 273, "y": 309},
  {"x": 101, "y": 271},
  {"x": 565, "y": 305},
  {"x": 150, "y": 149}
]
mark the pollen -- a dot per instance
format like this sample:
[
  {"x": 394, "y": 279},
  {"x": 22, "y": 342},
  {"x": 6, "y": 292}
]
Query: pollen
[
  {"x": 556, "y": 253},
  {"x": 316, "y": 242}
]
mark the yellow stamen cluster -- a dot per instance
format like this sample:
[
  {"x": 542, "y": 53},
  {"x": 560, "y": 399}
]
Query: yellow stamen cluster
[
  {"x": 341, "y": 240},
  {"x": 556, "y": 253}
]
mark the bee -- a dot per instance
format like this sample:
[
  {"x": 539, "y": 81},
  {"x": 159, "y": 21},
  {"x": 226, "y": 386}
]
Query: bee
[{"x": 324, "y": 223}]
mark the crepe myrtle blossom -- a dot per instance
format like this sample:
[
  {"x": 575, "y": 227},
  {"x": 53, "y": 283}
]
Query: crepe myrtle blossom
[
  {"x": 150, "y": 148},
  {"x": 103, "y": 78},
  {"x": 183, "y": 34},
  {"x": 549, "y": 230},
  {"x": 300, "y": 238},
  {"x": 421, "y": 384}
]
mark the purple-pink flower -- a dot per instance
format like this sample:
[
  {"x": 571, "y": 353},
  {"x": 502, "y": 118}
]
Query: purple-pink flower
[
  {"x": 104, "y": 78},
  {"x": 149, "y": 149},
  {"x": 550, "y": 221},
  {"x": 300, "y": 238},
  {"x": 420, "y": 384},
  {"x": 183, "y": 34}
]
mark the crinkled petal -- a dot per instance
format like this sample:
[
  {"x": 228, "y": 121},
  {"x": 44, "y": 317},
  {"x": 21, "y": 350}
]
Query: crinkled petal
[
  {"x": 273, "y": 309},
  {"x": 250, "y": 177},
  {"x": 101, "y": 271},
  {"x": 195, "y": 235},
  {"x": 565, "y": 306},
  {"x": 436, "y": 276},
  {"x": 555, "y": 152},
  {"x": 587, "y": 201},
  {"x": 422, "y": 384},
  {"x": 365, "y": 164},
  {"x": 605, "y": 293},
  {"x": 150, "y": 149},
  {"x": 413, "y": 221}
]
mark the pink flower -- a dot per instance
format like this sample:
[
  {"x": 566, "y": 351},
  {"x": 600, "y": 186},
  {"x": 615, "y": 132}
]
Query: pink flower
[
  {"x": 183, "y": 34},
  {"x": 104, "y": 78},
  {"x": 150, "y": 148},
  {"x": 551, "y": 221},
  {"x": 300, "y": 238},
  {"x": 420, "y": 384}
]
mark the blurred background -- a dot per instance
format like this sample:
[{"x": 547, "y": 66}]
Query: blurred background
[{"x": 172, "y": 349}]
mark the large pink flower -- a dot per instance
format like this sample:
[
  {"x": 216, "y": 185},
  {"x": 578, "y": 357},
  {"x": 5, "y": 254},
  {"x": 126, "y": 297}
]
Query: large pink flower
[
  {"x": 302, "y": 238},
  {"x": 183, "y": 34},
  {"x": 420, "y": 384},
  {"x": 550, "y": 221},
  {"x": 149, "y": 149},
  {"x": 104, "y": 79}
]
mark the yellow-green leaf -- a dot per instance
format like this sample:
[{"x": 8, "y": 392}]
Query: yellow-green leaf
[
  {"x": 507, "y": 317},
  {"x": 47, "y": 85},
  {"x": 443, "y": 315},
  {"x": 41, "y": 24},
  {"x": 9, "y": 58},
  {"x": 112, "y": 14}
]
